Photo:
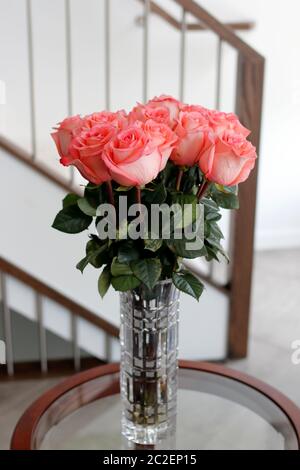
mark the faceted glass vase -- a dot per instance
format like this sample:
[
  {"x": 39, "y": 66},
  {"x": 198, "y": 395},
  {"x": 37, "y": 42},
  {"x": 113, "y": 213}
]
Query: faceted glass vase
[{"x": 149, "y": 350}]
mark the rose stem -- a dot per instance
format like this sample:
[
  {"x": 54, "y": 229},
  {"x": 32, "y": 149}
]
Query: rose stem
[
  {"x": 110, "y": 193},
  {"x": 138, "y": 196},
  {"x": 178, "y": 180},
  {"x": 202, "y": 189}
]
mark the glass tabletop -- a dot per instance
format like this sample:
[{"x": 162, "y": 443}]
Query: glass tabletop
[{"x": 214, "y": 412}]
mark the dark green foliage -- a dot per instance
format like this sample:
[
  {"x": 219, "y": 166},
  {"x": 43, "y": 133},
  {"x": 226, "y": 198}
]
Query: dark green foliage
[{"x": 126, "y": 264}]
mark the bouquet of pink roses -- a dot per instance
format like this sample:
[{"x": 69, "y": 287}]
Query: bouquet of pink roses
[{"x": 164, "y": 154}]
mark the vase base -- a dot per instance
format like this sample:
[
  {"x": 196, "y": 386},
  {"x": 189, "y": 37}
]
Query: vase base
[{"x": 147, "y": 435}]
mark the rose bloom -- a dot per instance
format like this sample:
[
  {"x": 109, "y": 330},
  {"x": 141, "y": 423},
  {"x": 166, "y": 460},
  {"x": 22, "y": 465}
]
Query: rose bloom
[
  {"x": 142, "y": 113},
  {"x": 65, "y": 132},
  {"x": 132, "y": 158},
  {"x": 162, "y": 137},
  {"x": 189, "y": 108},
  {"x": 85, "y": 152},
  {"x": 168, "y": 102},
  {"x": 220, "y": 122},
  {"x": 192, "y": 129},
  {"x": 119, "y": 119},
  {"x": 229, "y": 159}
]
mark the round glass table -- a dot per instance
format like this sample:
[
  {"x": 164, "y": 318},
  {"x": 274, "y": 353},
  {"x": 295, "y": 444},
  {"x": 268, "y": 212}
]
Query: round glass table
[{"x": 218, "y": 408}]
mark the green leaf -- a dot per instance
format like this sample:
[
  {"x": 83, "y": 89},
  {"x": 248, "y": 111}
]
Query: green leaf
[
  {"x": 214, "y": 248},
  {"x": 82, "y": 264},
  {"x": 71, "y": 220},
  {"x": 169, "y": 262},
  {"x": 97, "y": 252},
  {"x": 104, "y": 281},
  {"x": 125, "y": 283},
  {"x": 127, "y": 252},
  {"x": 70, "y": 200},
  {"x": 180, "y": 198},
  {"x": 122, "y": 230},
  {"x": 215, "y": 231},
  {"x": 179, "y": 247},
  {"x": 147, "y": 270},
  {"x": 225, "y": 255},
  {"x": 124, "y": 188},
  {"x": 187, "y": 283},
  {"x": 211, "y": 210},
  {"x": 213, "y": 216},
  {"x": 211, "y": 252},
  {"x": 85, "y": 207},
  {"x": 120, "y": 269},
  {"x": 190, "y": 213},
  {"x": 227, "y": 189},
  {"x": 187, "y": 211},
  {"x": 225, "y": 200},
  {"x": 169, "y": 175},
  {"x": 96, "y": 255},
  {"x": 94, "y": 194},
  {"x": 190, "y": 180},
  {"x": 153, "y": 245},
  {"x": 157, "y": 196},
  {"x": 209, "y": 204},
  {"x": 213, "y": 242}
]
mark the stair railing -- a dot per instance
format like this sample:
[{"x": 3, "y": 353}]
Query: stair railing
[{"x": 42, "y": 290}]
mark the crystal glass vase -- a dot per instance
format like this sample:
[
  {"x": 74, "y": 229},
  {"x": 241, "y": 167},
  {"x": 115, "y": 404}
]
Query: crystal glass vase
[{"x": 149, "y": 349}]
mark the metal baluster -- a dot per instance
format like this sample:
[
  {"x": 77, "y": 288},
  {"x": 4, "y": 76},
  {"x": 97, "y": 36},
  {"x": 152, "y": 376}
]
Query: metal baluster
[
  {"x": 219, "y": 72},
  {"x": 76, "y": 349},
  {"x": 182, "y": 56},
  {"x": 42, "y": 333},
  {"x": 7, "y": 326},
  {"x": 31, "y": 78},
  {"x": 108, "y": 347},
  {"x": 107, "y": 53},
  {"x": 69, "y": 69},
  {"x": 146, "y": 49}
]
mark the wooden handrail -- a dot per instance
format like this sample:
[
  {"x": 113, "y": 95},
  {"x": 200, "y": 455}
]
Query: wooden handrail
[
  {"x": 26, "y": 158},
  {"x": 235, "y": 26},
  {"x": 157, "y": 10},
  {"x": 154, "y": 8},
  {"x": 222, "y": 30},
  {"x": 43, "y": 289}
]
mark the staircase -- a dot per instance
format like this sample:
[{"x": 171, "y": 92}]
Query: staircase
[
  {"x": 54, "y": 312},
  {"x": 38, "y": 279}
]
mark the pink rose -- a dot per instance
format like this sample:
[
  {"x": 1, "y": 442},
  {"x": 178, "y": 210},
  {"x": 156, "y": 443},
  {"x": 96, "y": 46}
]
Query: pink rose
[
  {"x": 65, "y": 132},
  {"x": 168, "y": 102},
  {"x": 131, "y": 157},
  {"x": 229, "y": 159},
  {"x": 118, "y": 119},
  {"x": 192, "y": 129},
  {"x": 142, "y": 113},
  {"x": 91, "y": 142},
  {"x": 189, "y": 108},
  {"x": 220, "y": 122},
  {"x": 85, "y": 152},
  {"x": 162, "y": 137}
]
